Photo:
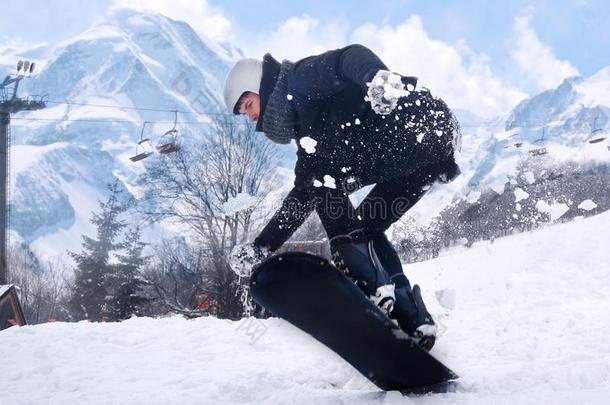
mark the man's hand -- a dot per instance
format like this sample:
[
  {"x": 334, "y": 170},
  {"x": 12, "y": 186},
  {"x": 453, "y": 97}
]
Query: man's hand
[
  {"x": 244, "y": 257},
  {"x": 384, "y": 91}
]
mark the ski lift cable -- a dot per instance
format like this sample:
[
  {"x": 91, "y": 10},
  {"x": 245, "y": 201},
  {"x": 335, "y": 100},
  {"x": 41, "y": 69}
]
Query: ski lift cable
[
  {"x": 121, "y": 107},
  {"x": 477, "y": 123},
  {"x": 117, "y": 106},
  {"x": 465, "y": 124},
  {"x": 119, "y": 121},
  {"x": 497, "y": 122},
  {"x": 114, "y": 121}
]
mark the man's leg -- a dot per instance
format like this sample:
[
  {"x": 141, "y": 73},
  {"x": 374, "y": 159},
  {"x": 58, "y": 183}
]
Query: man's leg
[
  {"x": 385, "y": 204},
  {"x": 350, "y": 248}
]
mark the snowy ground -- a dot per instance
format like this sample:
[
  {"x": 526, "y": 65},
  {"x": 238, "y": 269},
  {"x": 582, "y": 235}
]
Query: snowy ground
[{"x": 530, "y": 324}]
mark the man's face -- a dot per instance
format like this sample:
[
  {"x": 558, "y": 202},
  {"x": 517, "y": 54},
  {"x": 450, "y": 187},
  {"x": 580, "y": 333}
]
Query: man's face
[{"x": 251, "y": 106}]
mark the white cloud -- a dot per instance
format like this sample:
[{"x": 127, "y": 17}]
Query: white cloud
[
  {"x": 539, "y": 68},
  {"x": 15, "y": 42},
  {"x": 13, "y": 49},
  {"x": 298, "y": 37},
  {"x": 202, "y": 17},
  {"x": 456, "y": 73}
]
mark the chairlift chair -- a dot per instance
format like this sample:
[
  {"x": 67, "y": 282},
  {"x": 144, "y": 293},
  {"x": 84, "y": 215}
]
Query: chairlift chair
[
  {"x": 539, "y": 151},
  {"x": 168, "y": 142},
  {"x": 513, "y": 136},
  {"x": 143, "y": 147},
  {"x": 597, "y": 134}
]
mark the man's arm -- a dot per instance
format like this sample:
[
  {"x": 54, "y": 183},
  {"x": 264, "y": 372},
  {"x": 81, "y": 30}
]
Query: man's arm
[
  {"x": 321, "y": 76},
  {"x": 296, "y": 207}
]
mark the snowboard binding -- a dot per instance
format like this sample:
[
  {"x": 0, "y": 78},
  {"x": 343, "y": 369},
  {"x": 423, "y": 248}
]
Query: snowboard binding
[
  {"x": 382, "y": 280},
  {"x": 351, "y": 254}
]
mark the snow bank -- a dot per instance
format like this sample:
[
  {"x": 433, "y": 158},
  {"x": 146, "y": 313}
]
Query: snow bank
[{"x": 524, "y": 321}]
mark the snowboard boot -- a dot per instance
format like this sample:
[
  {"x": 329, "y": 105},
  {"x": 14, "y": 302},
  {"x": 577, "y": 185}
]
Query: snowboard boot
[
  {"x": 413, "y": 317},
  {"x": 409, "y": 310},
  {"x": 351, "y": 255}
]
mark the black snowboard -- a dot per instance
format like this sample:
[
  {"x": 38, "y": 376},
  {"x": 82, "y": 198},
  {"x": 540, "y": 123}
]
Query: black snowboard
[{"x": 312, "y": 294}]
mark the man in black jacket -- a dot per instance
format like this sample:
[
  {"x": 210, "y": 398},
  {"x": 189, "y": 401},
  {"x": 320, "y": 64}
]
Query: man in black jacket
[{"x": 354, "y": 123}]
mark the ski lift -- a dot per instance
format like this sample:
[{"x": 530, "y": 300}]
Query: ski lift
[
  {"x": 540, "y": 150},
  {"x": 168, "y": 141},
  {"x": 143, "y": 148},
  {"x": 597, "y": 134},
  {"x": 515, "y": 137}
]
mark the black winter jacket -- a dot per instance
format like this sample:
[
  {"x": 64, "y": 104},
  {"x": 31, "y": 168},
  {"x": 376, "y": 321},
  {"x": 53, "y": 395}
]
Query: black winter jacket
[{"x": 354, "y": 145}]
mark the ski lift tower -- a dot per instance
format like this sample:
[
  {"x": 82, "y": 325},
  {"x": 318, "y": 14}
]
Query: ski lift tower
[{"x": 10, "y": 104}]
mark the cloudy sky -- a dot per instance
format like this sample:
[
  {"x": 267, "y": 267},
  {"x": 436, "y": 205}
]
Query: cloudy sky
[{"x": 483, "y": 56}]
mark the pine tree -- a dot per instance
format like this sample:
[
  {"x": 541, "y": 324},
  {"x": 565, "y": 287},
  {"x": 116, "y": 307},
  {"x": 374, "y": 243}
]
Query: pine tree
[
  {"x": 92, "y": 264},
  {"x": 126, "y": 284}
]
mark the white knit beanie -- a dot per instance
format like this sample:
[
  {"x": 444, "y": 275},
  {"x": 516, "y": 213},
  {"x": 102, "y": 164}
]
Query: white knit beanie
[{"x": 245, "y": 76}]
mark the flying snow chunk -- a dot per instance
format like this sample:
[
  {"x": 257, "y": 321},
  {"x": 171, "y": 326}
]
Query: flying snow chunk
[
  {"x": 420, "y": 137},
  {"x": 394, "y": 88},
  {"x": 317, "y": 183},
  {"x": 520, "y": 194},
  {"x": 241, "y": 202},
  {"x": 498, "y": 185},
  {"x": 529, "y": 177},
  {"x": 357, "y": 121},
  {"x": 393, "y": 78},
  {"x": 439, "y": 132},
  {"x": 587, "y": 205},
  {"x": 329, "y": 181},
  {"x": 289, "y": 96},
  {"x": 309, "y": 144},
  {"x": 378, "y": 81},
  {"x": 555, "y": 211}
]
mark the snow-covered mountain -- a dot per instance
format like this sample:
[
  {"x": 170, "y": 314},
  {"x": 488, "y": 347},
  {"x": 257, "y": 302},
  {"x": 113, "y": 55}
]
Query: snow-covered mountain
[
  {"x": 64, "y": 156},
  {"x": 561, "y": 122}
]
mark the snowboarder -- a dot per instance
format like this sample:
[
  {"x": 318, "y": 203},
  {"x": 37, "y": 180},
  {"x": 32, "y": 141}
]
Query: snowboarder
[{"x": 355, "y": 123}]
